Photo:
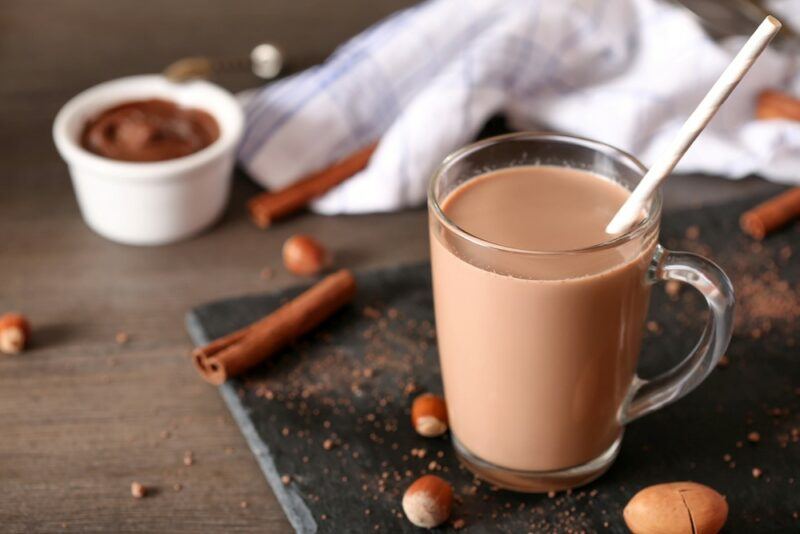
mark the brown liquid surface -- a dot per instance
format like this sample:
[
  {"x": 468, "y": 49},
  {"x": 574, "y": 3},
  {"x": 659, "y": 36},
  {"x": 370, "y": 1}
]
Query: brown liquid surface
[
  {"x": 537, "y": 353},
  {"x": 542, "y": 208},
  {"x": 149, "y": 130}
]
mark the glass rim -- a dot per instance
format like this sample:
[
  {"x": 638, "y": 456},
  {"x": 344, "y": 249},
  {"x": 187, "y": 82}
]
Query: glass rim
[{"x": 652, "y": 216}]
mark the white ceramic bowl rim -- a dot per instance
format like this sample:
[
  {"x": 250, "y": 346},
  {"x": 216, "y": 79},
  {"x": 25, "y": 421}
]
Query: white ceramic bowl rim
[{"x": 221, "y": 104}]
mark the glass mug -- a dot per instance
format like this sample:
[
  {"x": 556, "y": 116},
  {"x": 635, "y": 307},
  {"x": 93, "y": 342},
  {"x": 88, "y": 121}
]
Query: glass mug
[{"x": 538, "y": 349}]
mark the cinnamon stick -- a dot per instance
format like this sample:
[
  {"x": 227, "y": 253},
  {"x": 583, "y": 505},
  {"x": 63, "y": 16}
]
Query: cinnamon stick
[
  {"x": 235, "y": 353},
  {"x": 777, "y": 105},
  {"x": 772, "y": 214},
  {"x": 268, "y": 207}
]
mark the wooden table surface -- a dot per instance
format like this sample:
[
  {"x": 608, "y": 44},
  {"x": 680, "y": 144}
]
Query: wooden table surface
[{"x": 82, "y": 417}]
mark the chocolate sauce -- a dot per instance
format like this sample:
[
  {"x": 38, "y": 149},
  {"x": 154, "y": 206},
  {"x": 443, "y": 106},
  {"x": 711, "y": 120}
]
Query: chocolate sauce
[{"x": 149, "y": 130}]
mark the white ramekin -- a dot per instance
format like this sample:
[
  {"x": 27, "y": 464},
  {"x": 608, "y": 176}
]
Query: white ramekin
[{"x": 150, "y": 203}]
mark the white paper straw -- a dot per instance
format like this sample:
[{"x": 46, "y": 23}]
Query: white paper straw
[{"x": 631, "y": 210}]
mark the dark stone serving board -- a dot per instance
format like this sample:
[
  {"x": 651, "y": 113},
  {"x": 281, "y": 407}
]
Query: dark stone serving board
[{"x": 351, "y": 383}]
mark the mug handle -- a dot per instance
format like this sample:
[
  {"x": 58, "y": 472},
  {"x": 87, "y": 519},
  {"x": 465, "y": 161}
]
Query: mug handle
[{"x": 646, "y": 396}]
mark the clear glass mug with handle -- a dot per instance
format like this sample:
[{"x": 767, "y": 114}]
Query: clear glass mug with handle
[{"x": 538, "y": 349}]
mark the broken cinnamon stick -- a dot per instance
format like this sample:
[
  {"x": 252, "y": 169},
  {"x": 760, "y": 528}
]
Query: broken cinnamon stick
[
  {"x": 268, "y": 207},
  {"x": 777, "y": 105},
  {"x": 768, "y": 216},
  {"x": 235, "y": 353}
]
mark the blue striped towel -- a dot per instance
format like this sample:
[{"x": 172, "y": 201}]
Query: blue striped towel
[{"x": 425, "y": 80}]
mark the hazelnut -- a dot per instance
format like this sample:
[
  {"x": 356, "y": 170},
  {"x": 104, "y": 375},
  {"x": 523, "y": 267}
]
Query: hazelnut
[
  {"x": 428, "y": 501},
  {"x": 429, "y": 415},
  {"x": 676, "y": 508},
  {"x": 305, "y": 256},
  {"x": 14, "y": 333},
  {"x": 137, "y": 490}
]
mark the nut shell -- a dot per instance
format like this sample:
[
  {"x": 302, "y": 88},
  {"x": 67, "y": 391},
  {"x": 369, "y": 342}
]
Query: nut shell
[
  {"x": 676, "y": 508},
  {"x": 305, "y": 256},
  {"x": 138, "y": 491},
  {"x": 14, "y": 333},
  {"x": 428, "y": 502},
  {"x": 429, "y": 415}
]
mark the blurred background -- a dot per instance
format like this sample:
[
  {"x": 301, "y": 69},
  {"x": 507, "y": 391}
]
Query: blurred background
[{"x": 53, "y": 50}]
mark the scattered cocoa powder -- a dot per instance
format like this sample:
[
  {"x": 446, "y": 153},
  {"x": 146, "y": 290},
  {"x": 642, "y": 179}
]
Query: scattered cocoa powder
[
  {"x": 764, "y": 301},
  {"x": 266, "y": 273},
  {"x": 371, "y": 312}
]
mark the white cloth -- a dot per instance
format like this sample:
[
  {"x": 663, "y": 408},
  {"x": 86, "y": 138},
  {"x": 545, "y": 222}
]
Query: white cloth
[{"x": 425, "y": 80}]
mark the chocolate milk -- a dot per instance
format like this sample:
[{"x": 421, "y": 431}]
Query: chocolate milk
[{"x": 537, "y": 350}]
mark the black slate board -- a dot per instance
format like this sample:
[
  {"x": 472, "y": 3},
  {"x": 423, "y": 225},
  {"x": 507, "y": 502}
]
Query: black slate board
[{"x": 330, "y": 386}]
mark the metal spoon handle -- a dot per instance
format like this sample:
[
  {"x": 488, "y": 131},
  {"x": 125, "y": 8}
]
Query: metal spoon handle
[{"x": 265, "y": 61}]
